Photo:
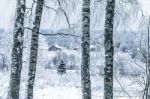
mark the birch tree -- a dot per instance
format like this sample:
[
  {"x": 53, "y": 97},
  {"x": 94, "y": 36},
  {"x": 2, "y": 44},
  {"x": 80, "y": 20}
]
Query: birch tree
[
  {"x": 85, "y": 46},
  {"x": 34, "y": 48},
  {"x": 147, "y": 86},
  {"x": 109, "y": 50},
  {"x": 16, "y": 65}
]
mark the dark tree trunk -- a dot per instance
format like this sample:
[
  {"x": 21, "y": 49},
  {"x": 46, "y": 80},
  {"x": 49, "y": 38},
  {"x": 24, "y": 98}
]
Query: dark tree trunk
[
  {"x": 85, "y": 65},
  {"x": 109, "y": 50},
  {"x": 16, "y": 65},
  {"x": 34, "y": 48},
  {"x": 147, "y": 90}
]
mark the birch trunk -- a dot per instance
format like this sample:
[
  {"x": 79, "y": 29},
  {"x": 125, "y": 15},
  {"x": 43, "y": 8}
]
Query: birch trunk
[
  {"x": 148, "y": 66},
  {"x": 34, "y": 48},
  {"x": 16, "y": 65},
  {"x": 85, "y": 65},
  {"x": 109, "y": 50}
]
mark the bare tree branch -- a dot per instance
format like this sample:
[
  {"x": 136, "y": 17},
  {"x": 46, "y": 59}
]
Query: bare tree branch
[
  {"x": 65, "y": 14},
  {"x": 122, "y": 86},
  {"x": 48, "y": 7}
]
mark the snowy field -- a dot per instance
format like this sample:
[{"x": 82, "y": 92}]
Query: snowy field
[{"x": 50, "y": 85}]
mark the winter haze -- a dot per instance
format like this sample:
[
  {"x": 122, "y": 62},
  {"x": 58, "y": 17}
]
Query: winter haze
[{"x": 74, "y": 49}]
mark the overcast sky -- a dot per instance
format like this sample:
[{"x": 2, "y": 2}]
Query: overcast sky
[{"x": 7, "y": 9}]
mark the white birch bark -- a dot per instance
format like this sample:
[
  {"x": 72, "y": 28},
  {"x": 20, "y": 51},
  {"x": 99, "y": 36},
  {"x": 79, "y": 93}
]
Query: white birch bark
[
  {"x": 85, "y": 65},
  {"x": 34, "y": 48},
  {"x": 109, "y": 50},
  {"x": 148, "y": 65},
  {"x": 16, "y": 63}
]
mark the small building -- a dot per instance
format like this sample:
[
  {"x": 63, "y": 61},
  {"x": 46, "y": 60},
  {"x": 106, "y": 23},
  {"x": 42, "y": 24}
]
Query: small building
[
  {"x": 75, "y": 49},
  {"x": 54, "y": 48}
]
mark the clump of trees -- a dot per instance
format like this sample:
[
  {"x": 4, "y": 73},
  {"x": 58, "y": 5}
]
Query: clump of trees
[{"x": 71, "y": 60}]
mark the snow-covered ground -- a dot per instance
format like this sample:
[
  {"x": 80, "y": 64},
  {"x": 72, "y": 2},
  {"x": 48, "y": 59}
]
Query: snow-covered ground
[{"x": 50, "y": 85}]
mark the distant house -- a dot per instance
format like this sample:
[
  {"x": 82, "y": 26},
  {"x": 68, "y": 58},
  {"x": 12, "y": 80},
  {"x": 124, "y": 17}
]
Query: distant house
[
  {"x": 54, "y": 48},
  {"x": 75, "y": 48}
]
